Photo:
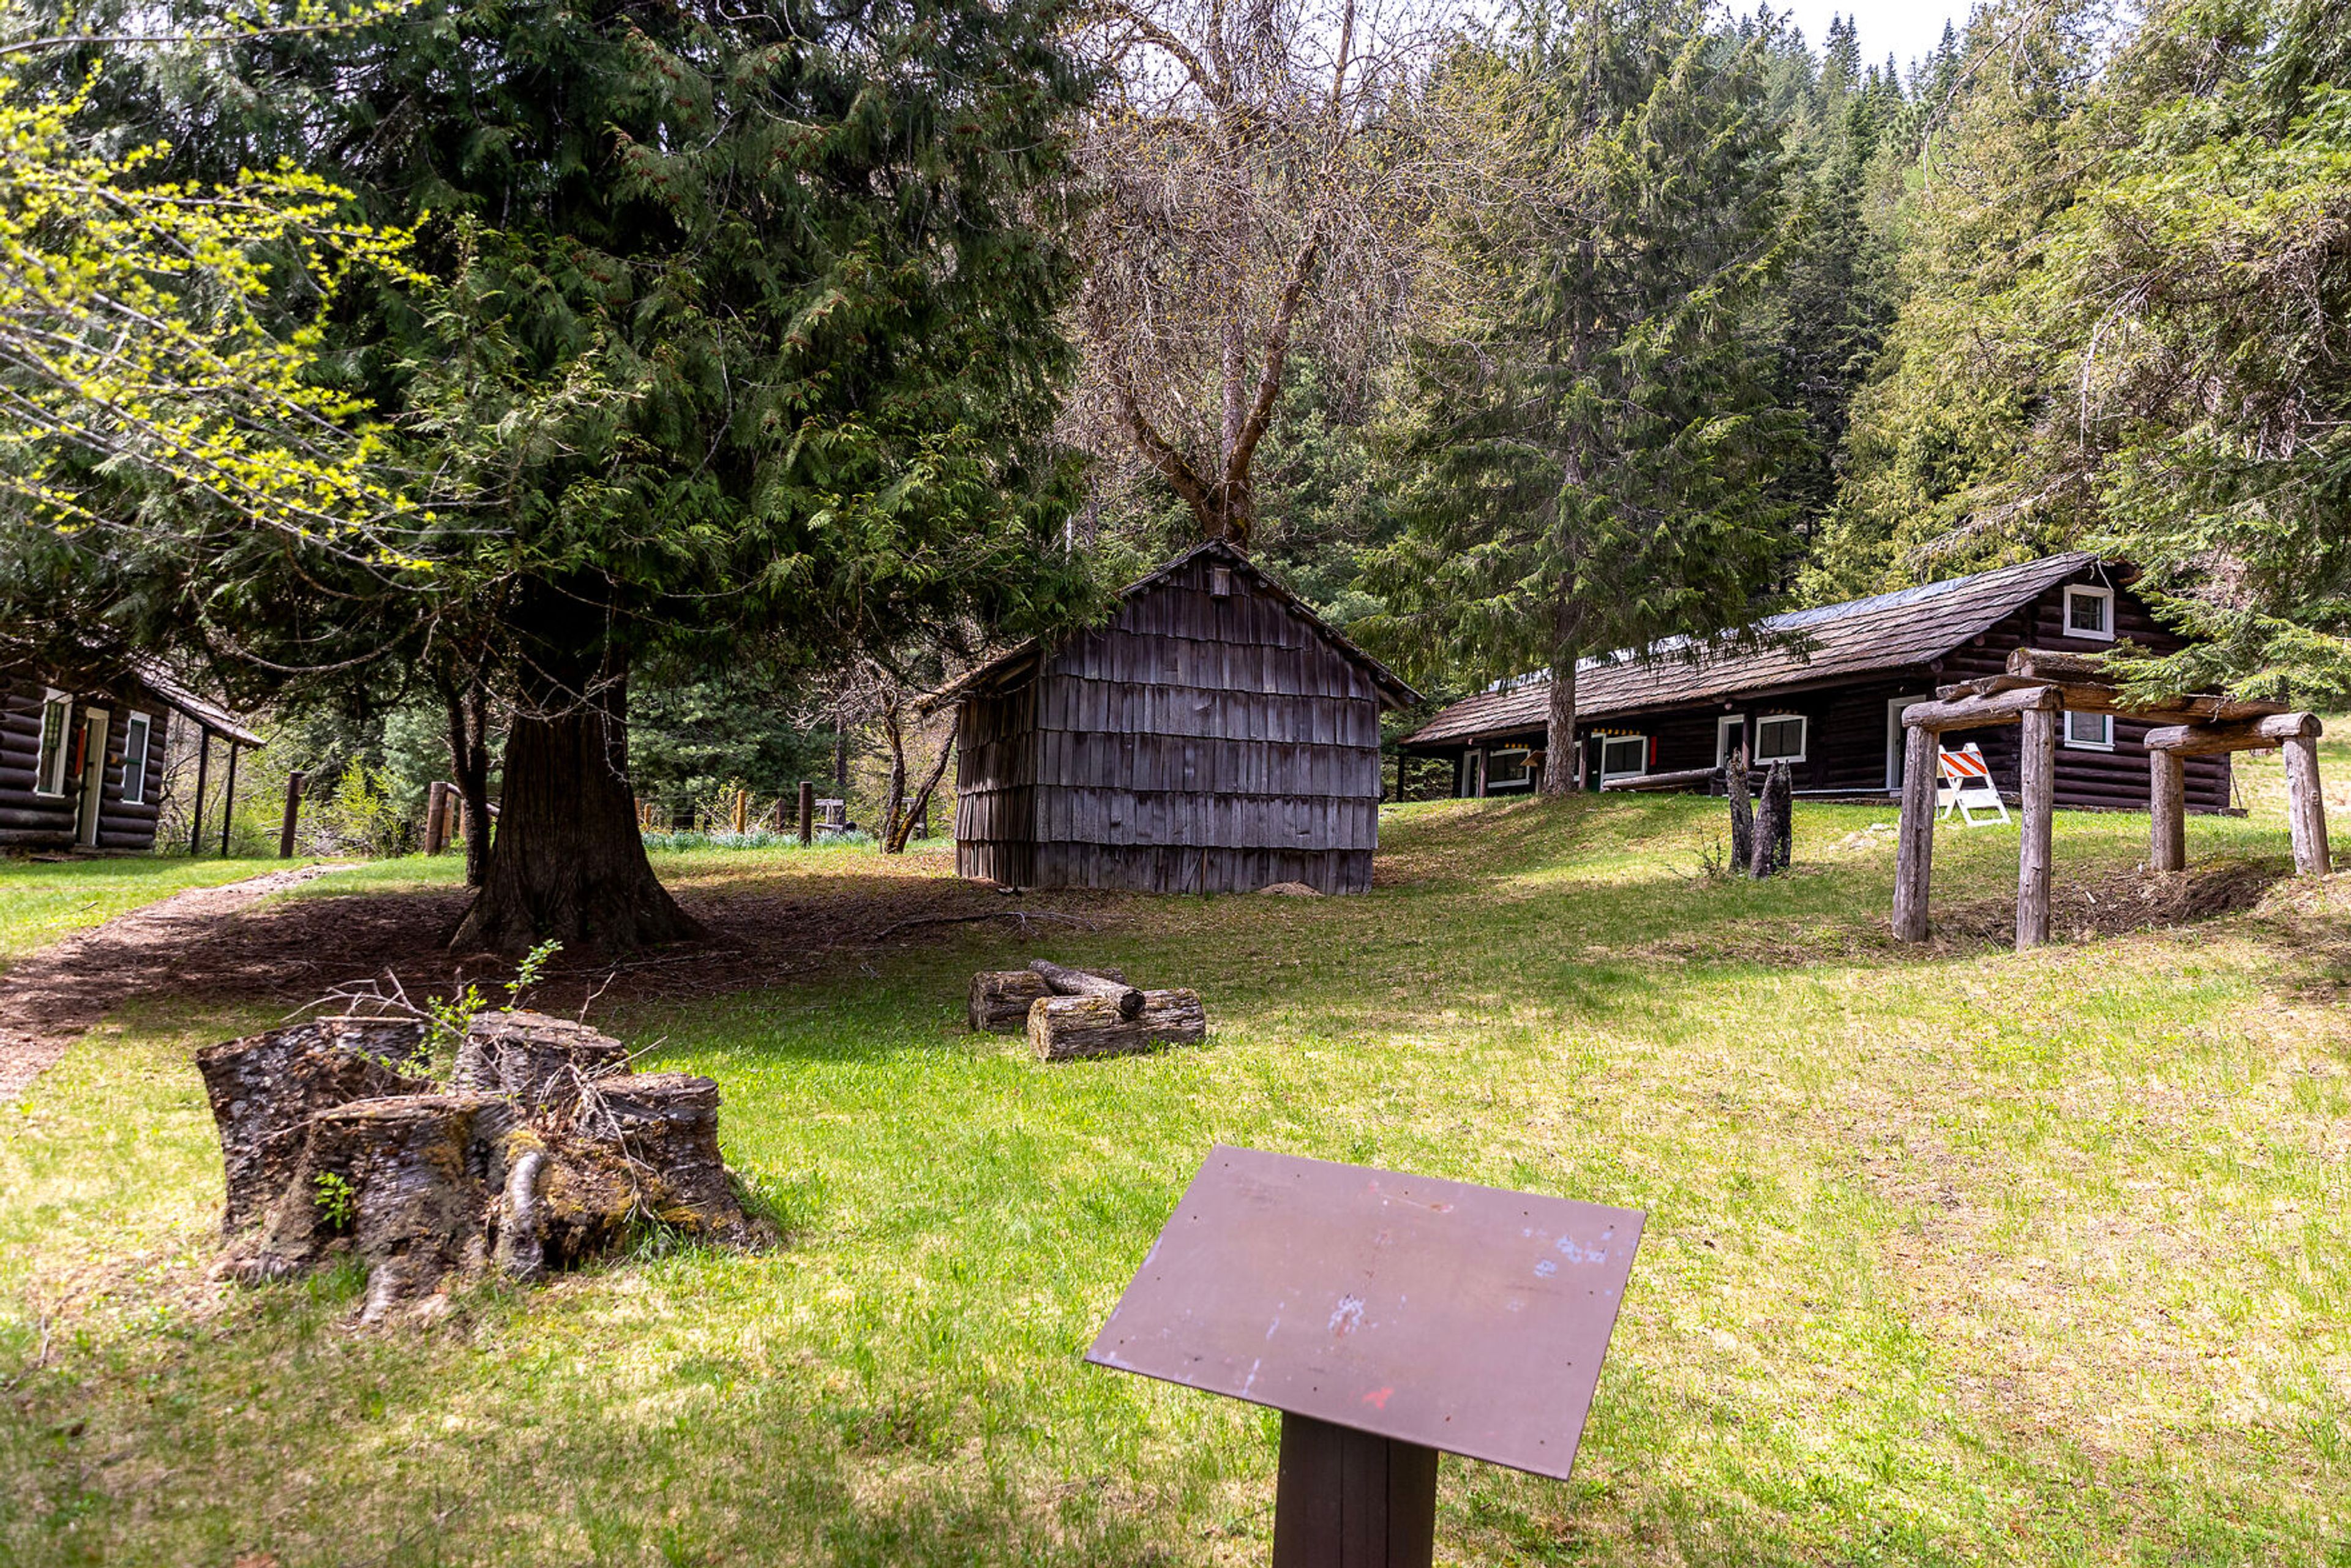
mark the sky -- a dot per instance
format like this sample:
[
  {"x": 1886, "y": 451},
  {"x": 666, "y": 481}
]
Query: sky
[{"x": 1905, "y": 28}]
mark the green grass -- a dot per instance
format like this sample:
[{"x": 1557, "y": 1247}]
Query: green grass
[
  {"x": 43, "y": 901},
  {"x": 1954, "y": 1256}
]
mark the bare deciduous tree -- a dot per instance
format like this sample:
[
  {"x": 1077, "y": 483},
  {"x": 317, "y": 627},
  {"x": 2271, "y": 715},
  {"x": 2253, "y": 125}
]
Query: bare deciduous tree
[{"x": 1255, "y": 170}]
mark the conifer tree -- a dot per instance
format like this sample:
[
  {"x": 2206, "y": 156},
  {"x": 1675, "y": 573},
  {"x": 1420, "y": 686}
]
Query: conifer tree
[{"x": 1595, "y": 449}]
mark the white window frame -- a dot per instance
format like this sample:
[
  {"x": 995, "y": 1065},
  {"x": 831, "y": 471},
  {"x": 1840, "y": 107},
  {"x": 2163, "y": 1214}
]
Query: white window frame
[
  {"x": 2106, "y": 598},
  {"x": 1722, "y": 729},
  {"x": 1608, "y": 740},
  {"x": 1526, "y": 779},
  {"x": 134, "y": 779},
  {"x": 1804, "y": 738},
  {"x": 2066, "y": 731},
  {"x": 49, "y": 767}
]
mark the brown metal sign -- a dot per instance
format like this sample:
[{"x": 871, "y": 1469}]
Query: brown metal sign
[{"x": 1456, "y": 1317}]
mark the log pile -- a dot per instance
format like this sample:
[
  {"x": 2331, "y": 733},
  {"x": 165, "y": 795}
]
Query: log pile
[
  {"x": 1068, "y": 1013},
  {"x": 543, "y": 1152}
]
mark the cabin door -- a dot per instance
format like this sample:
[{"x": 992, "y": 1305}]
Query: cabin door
[
  {"x": 93, "y": 774},
  {"x": 1893, "y": 742}
]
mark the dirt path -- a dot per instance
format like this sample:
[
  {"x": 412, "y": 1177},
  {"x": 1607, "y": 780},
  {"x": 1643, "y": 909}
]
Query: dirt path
[{"x": 50, "y": 997}]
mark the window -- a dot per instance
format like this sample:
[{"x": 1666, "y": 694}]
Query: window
[
  {"x": 1780, "y": 738},
  {"x": 1729, "y": 735},
  {"x": 135, "y": 759},
  {"x": 1624, "y": 756},
  {"x": 1507, "y": 770},
  {"x": 56, "y": 733},
  {"x": 2090, "y": 731},
  {"x": 2090, "y": 612}
]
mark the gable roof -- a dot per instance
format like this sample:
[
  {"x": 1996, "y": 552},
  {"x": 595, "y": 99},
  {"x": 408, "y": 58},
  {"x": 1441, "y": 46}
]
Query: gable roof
[
  {"x": 1887, "y": 631},
  {"x": 1023, "y": 659}
]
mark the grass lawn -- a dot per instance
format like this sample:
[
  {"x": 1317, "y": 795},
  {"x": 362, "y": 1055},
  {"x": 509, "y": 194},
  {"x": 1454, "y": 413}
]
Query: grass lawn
[
  {"x": 41, "y": 901},
  {"x": 1953, "y": 1255}
]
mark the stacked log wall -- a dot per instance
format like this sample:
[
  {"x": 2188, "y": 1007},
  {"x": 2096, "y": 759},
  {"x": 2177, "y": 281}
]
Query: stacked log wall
[{"x": 31, "y": 821}]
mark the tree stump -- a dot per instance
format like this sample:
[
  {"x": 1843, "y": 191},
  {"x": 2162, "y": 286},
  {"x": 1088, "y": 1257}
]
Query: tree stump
[
  {"x": 264, "y": 1088},
  {"x": 535, "y": 1060},
  {"x": 1060, "y": 1028},
  {"x": 1742, "y": 813},
  {"x": 1774, "y": 824},
  {"x": 666, "y": 1125},
  {"x": 1000, "y": 999},
  {"x": 407, "y": 1178}
]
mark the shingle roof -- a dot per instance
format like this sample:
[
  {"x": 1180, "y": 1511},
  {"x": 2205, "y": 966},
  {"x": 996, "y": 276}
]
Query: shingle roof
[
  {"x": 1016, "y": 663},
  {"x": 210, "y": 714},
  {"x": 1887, "y": 631}
]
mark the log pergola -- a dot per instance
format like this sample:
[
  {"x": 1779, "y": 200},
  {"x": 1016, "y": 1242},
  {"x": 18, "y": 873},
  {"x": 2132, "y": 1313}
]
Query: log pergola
[{"x": 2040, "y": 686}]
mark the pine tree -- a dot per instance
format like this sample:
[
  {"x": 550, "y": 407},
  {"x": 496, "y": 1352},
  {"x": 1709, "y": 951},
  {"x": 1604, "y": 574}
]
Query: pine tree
[{"x": 1594, "y": 455}]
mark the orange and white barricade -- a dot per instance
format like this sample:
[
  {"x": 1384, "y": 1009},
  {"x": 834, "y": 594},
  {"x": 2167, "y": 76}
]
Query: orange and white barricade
[{"x": 1967, "y": 786}]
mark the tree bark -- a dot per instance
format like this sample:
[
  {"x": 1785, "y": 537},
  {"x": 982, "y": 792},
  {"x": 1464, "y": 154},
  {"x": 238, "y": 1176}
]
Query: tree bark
[
  {"x": 1066, "y": 982},
  {"x": 1775, "y": 831},
  {"x": 1000, "y": 999},
  {"x": 1742, "y": 812},
  {"x": 918, "y": 809},
  {"x": 1562, "y": 773},
  {"x": 469, "y": 766},
  {"x": 1060, "y": 1028},
  {"x": 893, "y": 802},
  {"x": 569, "y": 862}
]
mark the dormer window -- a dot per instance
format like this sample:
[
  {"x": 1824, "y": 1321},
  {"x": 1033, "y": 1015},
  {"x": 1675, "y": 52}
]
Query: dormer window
[{"x": 2090, "y": 613}]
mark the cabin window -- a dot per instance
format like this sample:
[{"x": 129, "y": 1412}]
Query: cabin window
[
  {"x": 1780, "y": 738},
  {"x": 1220, "y": 582},
  {"x": 1508, "y": 769},
  {"x": 2090, "y": 612},
  {"x": 2090, "y": 731},
  {"x": 135, "y": 759},
  {"x": 1624, "y": 756},
  {"x": 56, "y": 733},
  {"x": 1729, "y": 735}
]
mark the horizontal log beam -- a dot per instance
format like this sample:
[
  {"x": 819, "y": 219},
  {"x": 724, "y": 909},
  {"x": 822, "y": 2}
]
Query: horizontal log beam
[
  {"x": 2081, "y": 697},
  {"x": 1980, "y": 712},
  {"x": 2083, "y": 675},
  {"x": 1678, "y": 781},
  {"x": 2243, "y": 735}
]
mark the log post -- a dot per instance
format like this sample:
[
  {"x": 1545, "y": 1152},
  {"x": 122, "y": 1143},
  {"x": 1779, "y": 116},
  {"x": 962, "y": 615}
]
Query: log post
[
  {"x": 2166, "y": 812},
  {"x": 2037, "y": 790},
  {"x": 1914, "y": 853},
  {"x": 228, "y": 799},
  {"x": 1078, "y": 983},
  {"x": 2306, "y": 807},
  {"x": 1742, "y": 812},
  {"x": 742, "y": 811},
  {"x": 1345, "y": 1499},
  {"x": 1775, "y": 831},
  {"x": 808, "y": 813},
  {"x": 293, "y": 815},
  {"x": 436, "y": 817},
  {"x": 196, "y": 814}
]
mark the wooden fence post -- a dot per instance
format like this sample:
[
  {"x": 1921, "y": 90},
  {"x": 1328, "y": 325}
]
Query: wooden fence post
[
  {"x": 228, "y": 799},
  {"x": 1915, "y": 852},
  {"x": 2037, "y": 786},
  {"x": 196, "y": 816},
  {"x": 2306, "y": 807},
  {"x": 2166, "y": 812},
  {"x": 436, "y": 817},
  {"x": 293, "y": 814},
  {"x": 808, "y": 813}
]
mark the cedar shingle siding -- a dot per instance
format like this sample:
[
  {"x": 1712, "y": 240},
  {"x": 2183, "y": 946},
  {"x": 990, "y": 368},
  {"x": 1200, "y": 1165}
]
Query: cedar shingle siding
[
  {"x": 1200, "y": 742},
  {"x": 1840, "y": 667}
]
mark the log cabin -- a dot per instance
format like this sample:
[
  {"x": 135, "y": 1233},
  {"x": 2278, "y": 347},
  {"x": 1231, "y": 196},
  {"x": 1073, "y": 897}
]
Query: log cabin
[
  {"x": 82, "y": 755},
  {"x": 1824, "y": 691},
  {"x": 1217, "y": 735}
]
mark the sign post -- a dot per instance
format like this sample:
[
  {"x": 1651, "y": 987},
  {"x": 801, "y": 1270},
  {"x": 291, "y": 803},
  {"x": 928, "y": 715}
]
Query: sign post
[{"x": 1387, "y": 1317}]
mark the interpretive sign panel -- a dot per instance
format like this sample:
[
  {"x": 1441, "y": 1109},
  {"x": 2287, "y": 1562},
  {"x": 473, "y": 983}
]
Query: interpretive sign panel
[{"x": 1464, "y": 1318}]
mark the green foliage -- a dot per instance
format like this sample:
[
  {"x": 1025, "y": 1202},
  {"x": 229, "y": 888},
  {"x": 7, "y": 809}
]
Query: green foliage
[
  {"x": 1592, "y": 463},
  {"x": 337, "y": 1200}
]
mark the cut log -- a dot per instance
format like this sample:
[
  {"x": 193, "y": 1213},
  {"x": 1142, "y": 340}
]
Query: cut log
[
  {"x": 2037, "y": 799},
  {"x": 1975, "y": 713},
  {"x": 408, "y": 1179},
  {"x": 2241, "y": 735},
  {"x": 1681, "y": 778},
  {"x": 1078, "y": 983},
  {"x": 1000, "y": 999},
  {"x": 535, "y": 1060},
  {"x": 265, "y": 1089},
  {"x": 2306, "y": 807},
  {"x": 2166, "y": 812},
  {"x": 1060, "y": 1028}
]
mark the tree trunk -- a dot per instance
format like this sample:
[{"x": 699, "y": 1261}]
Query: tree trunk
[
  {"x": 893, "y": 802},
  {"x": 1742, "y": 812},
  {"x": 1774, "y": 824},
  {"x": 569, "y": 862},
  {"x": 469, "y": 765},
  {"x": 1561, "y": 773},
  {"x": 918, "y": 814}
]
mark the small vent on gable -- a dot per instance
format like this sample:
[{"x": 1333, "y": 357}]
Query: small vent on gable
[{"x": 1220, "y": 582}]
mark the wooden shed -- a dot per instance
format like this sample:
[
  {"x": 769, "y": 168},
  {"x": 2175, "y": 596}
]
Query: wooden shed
[
  {"x": 1216, "y": 736},
  {"x": 82, "y": 755}
]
